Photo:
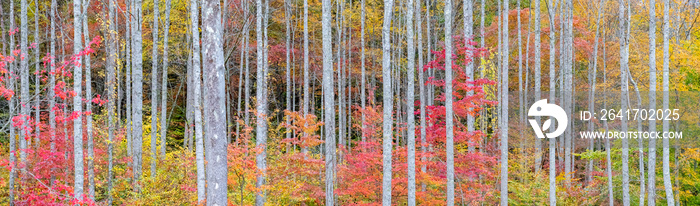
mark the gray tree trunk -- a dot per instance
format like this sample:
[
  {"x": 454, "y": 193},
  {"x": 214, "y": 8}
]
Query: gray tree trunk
[
  {"x": 164, "y": 84},
  {"x": 215, "y": 101},
  {"x": 421, "y": 87},
  {"x": 37, "y": 75},
  {"x": 552, "y": 92},
  {"x": 128, "y": 82},
  {"x": 363, "y": 86},
  {"x": 111, "y": 94},
  {"x": 24, "y": 81},
  {"x": 154, "y": 89},
  {"x": 329, "y": 107},
  {"x": 52, "y": 82},
  {"x": 410, "y": 97},
  {"x": 624, "y": 61},
  {"x": 652, "y": 104},
  {"x": 504, "y": 108},
  {"x": 307, "y": 92},
  {"x": 196, "y": 101},
  {"x": 88, "y": 106},
  {"x": 11, "y": 84},
  {"x": 538, "y": 78},
  {"x": 77, "y": 102},
  {"x": 592, "y": 78},
  {"x": 666, "y": 169},
  {"x": 449, "y": 115},
  {"x": 608, "y": 167},
  {"x": 137, "y": 93},
  {"x": 261, "y": 127},
  {"x": 287, "y": 7},
  {"x": 387, "y": 131}
]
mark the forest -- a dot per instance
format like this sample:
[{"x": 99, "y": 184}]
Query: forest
[{"x": 349, "y": 102}]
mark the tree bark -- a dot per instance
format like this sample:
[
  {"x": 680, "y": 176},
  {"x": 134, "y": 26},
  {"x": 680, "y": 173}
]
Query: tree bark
[
  {"x": 52, "y": 83},
  {"x": 410, "y": 97},
  {"x": 24, "y": 81},
  {"x": 77, "y": 102},
  {"x": 11, "y": 85},
  {"x": 538, "y": 78},
  {"x": 154, "y": 88},
  {"x": 287, "y": 50},
  {"x": 307, "y": 92},
  {"x": 37, "y": 75},
  {"x": 111, "y": 94},
  {"x": 652, "y": 104},
  {"x": 215, "y": 101},
  {"x": 363, "y": 86},
  {"x": 137, "y": 93},
  {"x": 449, "y": 115},
  {"x": 164, "y": 84},
  {"x": 552, "y": 92},
  {"x": 624, "y": 61},
  {"x": 504, "y": 108},
  {"x": 88, "y": 106},
  {"x": 388, "y": 104},
  {"x": 329, "y": 107},
  {"x": 196, "y": 101},
  {"x": 261, "y": 95},
  {"x": 665, "y": 84}
]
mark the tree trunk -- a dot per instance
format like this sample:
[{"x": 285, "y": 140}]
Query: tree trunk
[
  {"x": 37, "y": 75},
  {"x": 11, "y": 85},
  {"x": 215, "y": 101},
  {"x": 624, "y": 60},
  {"x": 421, "y": 87},
  {"x": 552, "y": 92},
  {"x": 77, "y": 102},
  {"x": 196, "y": 101},
  {"x": 592, "y": 78},
  {"x": 307, "y": 92},
  {"x": 111, "y": 94},
  {"x": 666, "y": 168},
  {"x": 329, "y": 107},
  {"x": 137, "y": 99},
  {"x": 410, "y": 97},
  {"x": 652, "y": 104},
  {"x": 504, "y": 108},
  {"x": 24, "y": 81},
  {"x": 261, "y": 127},
  {"x": 363, "y": 87},
  {"x": 449, "y": 115},
  {"x": 154, "y": 88},
  {"x": 88, "y": 106},
  {"x": 164, "y": 84},
  {"x": 287, "y": 50},
  {"x": 128, "y": 82},
  {"x": 388, "y": 104},
  {"x": 52, "y": 83},
  {"x": 538, "y": 79}
]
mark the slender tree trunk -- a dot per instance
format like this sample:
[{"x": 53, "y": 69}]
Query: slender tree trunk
[
  {"x": 388, "y": 104},
  {"x": 52, "y": 83},
  {"x": 363, "y": 86},
  {"x": 261, "y": 128},
  {"x": 164, "y": 84},
  {"x": 329, "y": 107},
  {"x": 421, "y": 86},
  {"x": 608, "y": 166},
  {"x": 287, "y": 7},
  {"x": 538, "y": 78},
  {"x": 410, "y": 97},
  {"x": 196, "y": 72},
  {"x": 652, "y": 103},
  {"x": 504, "y": 108},
  {"x": 137, "y": 99},
  {"x": 665, "y": 84},
  {"x": 624, "y": 61},
  {"x": 11, "y": 85},
  {"x": 128, "y": 82},
  {"x": 24, "y": 81},
  {"x": 552, "y": 92},
  {"x": 307, "y": 92},
  {"x": 468, "y": 25},
  {"x": 77, "y": 102},
  {"x": 37, "y": 75},
  {"x": 154, "y": 88},
  {"x": 449, "y": 115},
  {"x": 592, "y": 78},
  {"x": 215, "y": 101},
  {"x": 88, "y": 106},
  {"x": 111, "y": 94}
]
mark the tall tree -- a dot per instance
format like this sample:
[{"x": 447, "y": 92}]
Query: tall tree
[
  {"x": 197, "y": 98},
  {"x": 287, "y": 66},
  {"x": 77, "y": 102},
  {"x": 652, "y": 103},
  {"x": 88, "y": 106},
  {"x": 154, "y": 88},
  {"x": 127, "y": 81},
  {"x": 37, "y": 75},
  {"x": 329, "y": 107},
  {"x": 666, "y": 169},
  {"x": 52, "y": 82},
  {"x": 538, "y": 77},
  {"x": 421, "y": 86},
  {"x": 624, "y": 61},
  {"x": 410, "y": 97},
  {"x": 449, "y": 114},
  {"x": 137, "y": 93},
  {"x": 164, "y": 83},
  {"x": 387, "y": 131},
  {"x": 592, "y": 78},
  {"x": 261, "y": 96},
  {"x": 111, "y": 94},
  {"x": 363, "y": 87},
  {"x": 504, "y": 108},
  {"x": 215, "y": 101},
  {"x": 11, "y": 84},
  {"x": 552, "y": 92},
  {"x": 24, "y": 81}
]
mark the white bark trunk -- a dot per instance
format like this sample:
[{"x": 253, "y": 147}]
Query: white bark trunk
[
  {"x": 77, "y": 102},
  {"x": 410, "y": 97},
  {"x": 387, "y": 131},
  {"x": 449, "y": 115},
  {"x": 154, "y": 88},
  {"x": 504, "y": 108},
  {"x": 666, "y": 168},
  {"x": 652, "y": 104},
  {"x": 164, "y": 84},
  {"x": 329, "y": 107},
  {"x": 196, "y": 101},
  {"x": 624, "y": 61}
]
